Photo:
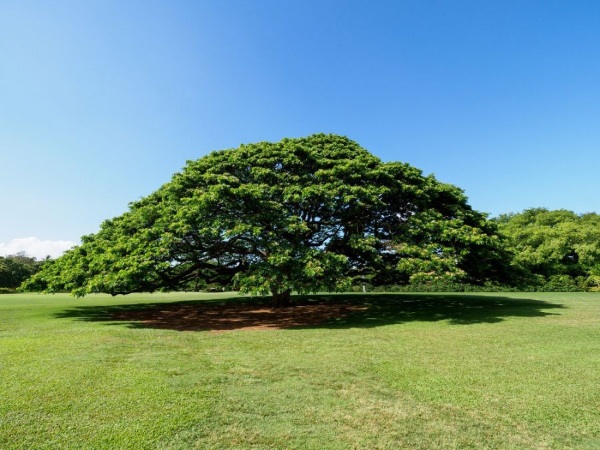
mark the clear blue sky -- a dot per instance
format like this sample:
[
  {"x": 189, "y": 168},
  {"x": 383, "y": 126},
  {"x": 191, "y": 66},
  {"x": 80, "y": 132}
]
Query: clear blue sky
[{"x": 102, "y": 101}]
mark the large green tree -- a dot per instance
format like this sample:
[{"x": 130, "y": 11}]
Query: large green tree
[{"x": 303, "y": 215}]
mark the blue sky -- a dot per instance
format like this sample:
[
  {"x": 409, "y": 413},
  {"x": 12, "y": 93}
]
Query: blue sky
[{"x": 102, "y": 101}]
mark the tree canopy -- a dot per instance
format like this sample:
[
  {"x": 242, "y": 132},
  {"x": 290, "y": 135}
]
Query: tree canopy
[{"x": 307, "y": 214}]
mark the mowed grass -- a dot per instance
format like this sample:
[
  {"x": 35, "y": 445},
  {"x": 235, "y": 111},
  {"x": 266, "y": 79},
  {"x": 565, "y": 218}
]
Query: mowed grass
[{"x": 411, "y": 371}]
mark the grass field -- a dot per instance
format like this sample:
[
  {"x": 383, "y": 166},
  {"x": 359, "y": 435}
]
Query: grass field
[{"x": 402, "y": 371}]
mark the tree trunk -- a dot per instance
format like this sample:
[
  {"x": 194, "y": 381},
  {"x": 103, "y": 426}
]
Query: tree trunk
[{"x": 281, "y": 299}]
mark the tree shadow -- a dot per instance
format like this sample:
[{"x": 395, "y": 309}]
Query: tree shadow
[
  {"x": 456, "y": 309},
  {"x": 323, "y": 311}
]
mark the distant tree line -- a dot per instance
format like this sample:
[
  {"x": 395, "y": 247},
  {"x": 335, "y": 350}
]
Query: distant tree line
[
  {"x": 15, "y": 269},
  {"x": 553, "y": 250}
]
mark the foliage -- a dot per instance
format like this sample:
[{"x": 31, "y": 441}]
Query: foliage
[
  {"x": 592, "y": 283},
  {"x": 559, "y": 249},
  {"x": 14, "y": 269},
  {"x": 441, "y": 286},
  {"x": 303, "y": 215}
]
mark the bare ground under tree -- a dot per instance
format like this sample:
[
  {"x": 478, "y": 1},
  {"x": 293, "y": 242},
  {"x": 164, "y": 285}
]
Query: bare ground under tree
[{"x": 236, "y": 316}]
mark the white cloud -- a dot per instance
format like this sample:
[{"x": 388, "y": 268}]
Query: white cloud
[{"x": 35, "y": 247}]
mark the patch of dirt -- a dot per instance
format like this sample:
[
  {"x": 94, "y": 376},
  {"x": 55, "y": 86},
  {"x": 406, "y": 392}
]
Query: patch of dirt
[{"x": 230, "y": 317}]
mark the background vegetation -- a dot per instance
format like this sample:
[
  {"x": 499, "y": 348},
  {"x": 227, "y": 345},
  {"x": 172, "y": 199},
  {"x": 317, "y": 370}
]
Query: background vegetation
[
  {"x": 14, "y": 269},
  {"x": 553, "y": 250}
]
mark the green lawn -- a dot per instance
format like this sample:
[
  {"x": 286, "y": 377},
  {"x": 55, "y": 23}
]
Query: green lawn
[{"x": 518, "y": 370}]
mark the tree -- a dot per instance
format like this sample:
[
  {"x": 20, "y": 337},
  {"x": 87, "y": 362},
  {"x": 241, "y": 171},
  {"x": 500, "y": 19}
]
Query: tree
[
  {"x": 554, "y": 243},
  {"x": 14, "y": 269},
  {"x": 303, "y": 215}
]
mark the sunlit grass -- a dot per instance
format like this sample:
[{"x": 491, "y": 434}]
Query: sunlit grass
[{"x": 412, "y": 371}]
